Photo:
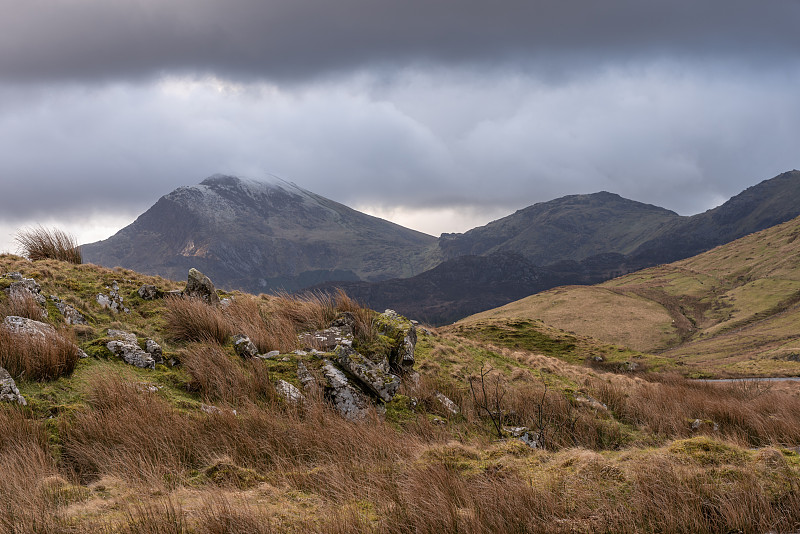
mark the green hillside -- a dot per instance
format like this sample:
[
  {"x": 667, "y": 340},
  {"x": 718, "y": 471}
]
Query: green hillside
[{"x": 733, "y": 310}]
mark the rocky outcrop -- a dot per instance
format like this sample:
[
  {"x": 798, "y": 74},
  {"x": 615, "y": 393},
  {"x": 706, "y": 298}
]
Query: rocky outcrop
[
  {"x": 245, "y": 348},
  {"x": 347, "y": 400},
  {"x": 402, "y": 335},
  {"x": 8, "y": 389},
  {"x": 149, "y": 292},
  {"x": 113, "y": 301},
  {"x": 23, "y": 325},
  {"x": 200, "y": 286},
  {"x": 154, "y": 350},
  {"x": 22, "y": 287},
  {"x": 328, "y": 339},
  {"x": 305, "y": 377},
  {"x": 375, "y": 377},
  {"x": 127, "y": 348},
  {"x": 71, "y": 315},
  {"x": 447, "y": 404},
  {"x": 289, "y": 392}
]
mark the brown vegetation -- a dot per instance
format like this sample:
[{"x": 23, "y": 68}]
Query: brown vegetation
[
  {"x": 38, "y": 357},
  {"x": 191, "y": 319},
  {"x": 42, "y": 243}
]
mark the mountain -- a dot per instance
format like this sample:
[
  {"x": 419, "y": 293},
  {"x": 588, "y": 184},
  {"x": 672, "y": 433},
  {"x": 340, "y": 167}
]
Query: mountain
[
  {"x": 260, "y": 236},
  {"x": 733, "y": 309},
  {"x": 574, "y": 227},
  {"x": 564, "y": 236}
]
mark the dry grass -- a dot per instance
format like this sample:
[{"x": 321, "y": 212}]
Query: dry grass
[
  {"x": 35, "y": 357},
  {"x": 267, "y": 331},
  {"x": 668, "y": 407},
  {"x": 42, "y": 243},
  {"x": 190, "y": 319},
  {"x": 22, "y": 304},
  {"x": 219, "y": 377}
]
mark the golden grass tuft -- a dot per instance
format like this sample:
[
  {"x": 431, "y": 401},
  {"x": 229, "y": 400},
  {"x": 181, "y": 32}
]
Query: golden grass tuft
[
  {"x": 42, "y": 243},
  {"x": 191, "y": 319},
  {"x": 35, "y": 357},
  {"x": 22, "y": 304}
]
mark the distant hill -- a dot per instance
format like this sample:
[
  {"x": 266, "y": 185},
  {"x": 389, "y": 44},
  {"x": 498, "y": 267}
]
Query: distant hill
[
  {"x": 562, "y": 235},
  {"x": 574, "y": 227},
  {"x": 260, "y": 236},
  {"x": 734, "y": 309}
]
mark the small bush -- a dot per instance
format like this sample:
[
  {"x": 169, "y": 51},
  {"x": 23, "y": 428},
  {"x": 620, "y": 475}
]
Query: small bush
[
  {"x": 35, "y": 357},
  {"x": 42, "y": 243},
  {"x": 193, "y": 320}
]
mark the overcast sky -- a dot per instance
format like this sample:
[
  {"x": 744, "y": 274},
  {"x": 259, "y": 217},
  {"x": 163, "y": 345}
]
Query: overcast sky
[{"x": 437, "y": 114}]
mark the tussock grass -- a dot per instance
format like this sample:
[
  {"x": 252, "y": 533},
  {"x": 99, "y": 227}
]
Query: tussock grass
[
  {"x": 42, "y": 243},
  {"x": 218, "y": 376},
  {"x": 190, "y": 319},
  {"x": 21, "y": 305},
  {"x": 35, "y": 357}
]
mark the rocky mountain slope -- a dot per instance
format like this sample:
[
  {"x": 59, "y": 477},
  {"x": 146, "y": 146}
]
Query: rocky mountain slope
[
  {"x": 561, "y": 235},
  {"x": 733, "y": 309},
  {"x": 260, "y": 236}
]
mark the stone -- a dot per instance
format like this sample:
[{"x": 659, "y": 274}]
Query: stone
[
  {"x": 200, "y": 286},
  {"x": 347, "y": 400},
  {"x": 375, "y": 377},
  {"x": 305, "y": 377},
  {"x": 23, "y": 325},
  {"x": 126, "y": 347},
  {"x": 326, "y": 340},
  {"x": 113, "y": 301},
  {"x": 447, "y": 404},
  {"x": 270, "y": 354},
  {"x": 591, "y": 402},
  {"x": 71, "y": 315},
  {"x": 345, "y": 322},
  {"x": 403, "y": 334},
  {"x": 154, "y": 349},
  {"x": 8, "y": 389},
  {"x": 22, "y": 287},
  {"x": 245, "y": 348},
  {"x": 122, "y": 334},
  {"x": 150, "y": 292},
  {"x": 289, "y": 392}
]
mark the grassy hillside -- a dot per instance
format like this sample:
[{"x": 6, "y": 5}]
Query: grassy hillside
[
  {"x": 732, "y": 310},
  {"x": 203, "y": 443}
]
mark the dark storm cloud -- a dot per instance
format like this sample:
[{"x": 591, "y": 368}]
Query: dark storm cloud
[{"x": 301, "y": 39}]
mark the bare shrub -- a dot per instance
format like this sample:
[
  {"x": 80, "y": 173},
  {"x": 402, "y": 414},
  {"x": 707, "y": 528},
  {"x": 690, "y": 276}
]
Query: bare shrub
[
  {"x": 218, "y": 376},
  {"x": 42, "y": 243},
  {"x": 35, "y": 357},
  {"x": 193, "y": 320}
]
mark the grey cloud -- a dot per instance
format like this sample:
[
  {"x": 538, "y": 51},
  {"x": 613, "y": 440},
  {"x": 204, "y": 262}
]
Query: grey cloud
[{"x": 302, "y": 39}]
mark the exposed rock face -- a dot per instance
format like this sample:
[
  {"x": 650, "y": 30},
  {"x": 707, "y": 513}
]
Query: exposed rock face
[
  {"x": 22, "y": 325},
  {"x": 154, "y": 350},
  {"x": 403, "y": 335},
  {"x": 71, "y": 315},
  {"x": 307, "y": 380},
  {"x": 150, "y": 292},
  {"x": 200, "y": 286},
  {"x": 8, "y": 389},
  {"x": 348, "y": 400},
  {"x": 129, "y": 350},
  {"x": 245, "y": 348},
  {"x": 289, "y": 392},
  {"x": 24, "y": 286},
  {"x": 375, "y": 377},
  {"x": 327, "y": 339},
  {"x": 112, "y": 301}
]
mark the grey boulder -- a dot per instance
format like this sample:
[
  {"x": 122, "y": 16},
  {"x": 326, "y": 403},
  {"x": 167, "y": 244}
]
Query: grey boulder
[
  {"x": 347, "y": 400},
  {"x": 200, "y": 286},
  {"x": 374, "y": 376},
  {"x": 8, "y": 389}
]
